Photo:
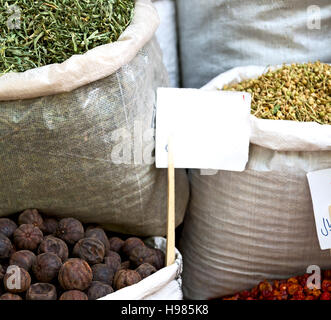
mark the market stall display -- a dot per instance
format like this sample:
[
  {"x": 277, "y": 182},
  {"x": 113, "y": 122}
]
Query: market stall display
[
  {"x": 77, "y": 137},
  {"x": 81, "y": 86}
]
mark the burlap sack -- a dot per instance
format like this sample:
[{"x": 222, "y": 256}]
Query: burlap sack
[
  {"x": 244, "y": 227},
  {"x": 66, "y": 130},
  {"x": 217, "y": 35}
]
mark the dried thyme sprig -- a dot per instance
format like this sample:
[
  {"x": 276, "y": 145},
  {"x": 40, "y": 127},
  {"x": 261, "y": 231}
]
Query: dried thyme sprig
[
  {"x": 52, "y": 31},
  {"x": 299, "y": 92}
]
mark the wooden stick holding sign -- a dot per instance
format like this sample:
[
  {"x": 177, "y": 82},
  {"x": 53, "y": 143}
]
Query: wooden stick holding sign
[
  {"x": 170, "y": 252},
  {"x": 205, "y": 138}
]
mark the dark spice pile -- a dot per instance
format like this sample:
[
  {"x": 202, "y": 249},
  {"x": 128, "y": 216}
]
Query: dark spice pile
[
  {"x": 35, "y": 33},
  {"x": 294, "y": 288},
  {"x": 299, "y": 92},
  {"x": 42, "y": 258}
]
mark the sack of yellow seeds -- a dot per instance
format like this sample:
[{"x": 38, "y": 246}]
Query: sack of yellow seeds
[{"x": 244, "y": 227}]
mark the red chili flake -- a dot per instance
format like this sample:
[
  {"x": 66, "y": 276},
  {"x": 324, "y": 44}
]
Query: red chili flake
[
  {"x": 294, "y": 289},
  {"x": 325, "y": 296},
  {"x": 235, "y": 297},
  {"x": 316, "y": 293},
  {"x": 255, "y": 292},
  {"x": 303, "y": 279},
  {"x": 276, "y": 292},
  {"x": 280, "y": 295},
  {"x": 245, "y": 294},
  {"x": 312, "y": 291},
  {"x": 265, "y": 286},
  {"x": 326, "y": 285},
  {"x": 284, "y": 295},
  {"x": 283, "y": 287},
  {"x": 308, "y": 291},
  {"x": 299, "y": 296},
  {"x": 266, "y": 289},
  {"x": 276, "y": 284},
  {"x": 292, "y": 280}
]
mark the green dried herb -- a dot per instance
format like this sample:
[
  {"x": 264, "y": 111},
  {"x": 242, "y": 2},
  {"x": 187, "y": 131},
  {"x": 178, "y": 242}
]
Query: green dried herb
[
  {"x": 35, "y": 33},
  {"x": 299, "y": 92}
]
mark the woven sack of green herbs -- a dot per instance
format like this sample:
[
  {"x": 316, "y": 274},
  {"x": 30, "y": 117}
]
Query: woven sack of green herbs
[
  {"x": 77, "y": 108},
  {"x": 38, "y": 33}
]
